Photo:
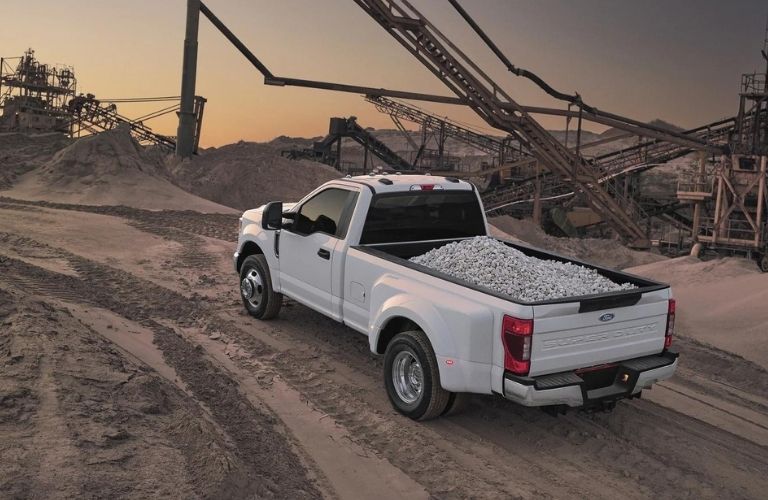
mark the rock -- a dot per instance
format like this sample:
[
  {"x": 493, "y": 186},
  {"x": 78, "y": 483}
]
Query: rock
[{"x": 494, "y": 265}]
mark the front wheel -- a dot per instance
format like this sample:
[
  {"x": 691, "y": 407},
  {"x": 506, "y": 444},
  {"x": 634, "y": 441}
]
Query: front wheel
[
  {"x": 259, "y": 299},
  {"x": 411, "y": 377}
]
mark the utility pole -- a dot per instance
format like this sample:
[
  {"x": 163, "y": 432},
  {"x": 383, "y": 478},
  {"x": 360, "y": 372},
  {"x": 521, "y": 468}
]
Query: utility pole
[{"x": 185, "y": 140}]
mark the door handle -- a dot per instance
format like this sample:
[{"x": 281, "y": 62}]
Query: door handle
[{"x": 326, "y": 254}]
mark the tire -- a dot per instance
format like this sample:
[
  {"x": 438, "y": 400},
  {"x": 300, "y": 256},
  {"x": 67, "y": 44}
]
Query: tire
[
  {"x": 411, "y": 377},
  {"x": 256, "y": 292},
  {"x": 763, "y": 263},
  {"x": 457, "y": 403}
]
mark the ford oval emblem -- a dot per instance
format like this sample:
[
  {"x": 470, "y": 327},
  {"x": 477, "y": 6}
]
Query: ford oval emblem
[{"x": 607, "y": 317}]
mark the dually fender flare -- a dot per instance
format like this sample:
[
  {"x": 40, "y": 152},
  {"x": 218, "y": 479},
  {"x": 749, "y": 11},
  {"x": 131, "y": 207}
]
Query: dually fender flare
[{"x": 421, "y": 312}]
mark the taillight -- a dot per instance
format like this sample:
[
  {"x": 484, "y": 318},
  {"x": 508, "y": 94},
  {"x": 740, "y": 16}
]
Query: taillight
[
  {"x": 516, "y": 336},
  {"x": 670, "y": 324},
  {"x": 426, "y": 187}
]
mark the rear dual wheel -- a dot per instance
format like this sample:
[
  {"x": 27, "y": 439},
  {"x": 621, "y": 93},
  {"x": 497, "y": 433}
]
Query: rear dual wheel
[{"x": 412, "y": 379}]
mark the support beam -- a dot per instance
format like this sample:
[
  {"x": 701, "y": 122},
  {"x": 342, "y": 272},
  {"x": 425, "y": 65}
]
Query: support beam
[
  {"x": 404, "y": 131},
  {"x": 760, "y": 201},
  {"x": 537, "y": 197},
  {"x": 185, "y": 141},
  {"x": 281, "y": 81},
  {"x": 621, "y": 123},
  {"x": 696, "y": 226},
  {"x": 199, "y": 109}
]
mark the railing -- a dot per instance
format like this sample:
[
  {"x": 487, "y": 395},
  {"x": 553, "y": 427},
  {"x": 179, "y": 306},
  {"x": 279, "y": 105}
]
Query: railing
[
  {"x": 670, "y": 237},
  {"x": 732, "y": 229},
  {"x": 697, "y": 184},
  {"x": 753, "y": 83}
]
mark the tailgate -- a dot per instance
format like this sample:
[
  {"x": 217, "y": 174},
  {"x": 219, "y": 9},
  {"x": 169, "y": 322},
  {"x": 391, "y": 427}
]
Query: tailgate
[{"x": 566, "y": 339}]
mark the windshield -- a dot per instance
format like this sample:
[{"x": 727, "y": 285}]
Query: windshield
[{"x": 423, "y": 215}]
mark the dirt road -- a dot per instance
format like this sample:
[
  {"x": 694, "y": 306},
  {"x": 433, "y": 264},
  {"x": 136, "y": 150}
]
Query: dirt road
[{"x": 130, "y": 368}]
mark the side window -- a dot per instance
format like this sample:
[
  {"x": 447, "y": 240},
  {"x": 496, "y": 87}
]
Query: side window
[{"x": 326, "y": 212}]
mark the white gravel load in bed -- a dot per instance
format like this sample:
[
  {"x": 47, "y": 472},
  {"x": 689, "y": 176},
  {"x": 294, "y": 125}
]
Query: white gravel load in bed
[{"x": 490, "y": 263}]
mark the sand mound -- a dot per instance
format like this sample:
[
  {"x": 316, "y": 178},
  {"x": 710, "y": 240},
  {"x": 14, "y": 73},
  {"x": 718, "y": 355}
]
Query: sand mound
[
  {"x": 720, "y": 302},
  {"x": 608, "y": 253},
  {"x": 690, "y": 271},
  {"x": 20, "y": 153},
  {"x": 106, "y": 169},
  {"x": 246, "y": 174}
]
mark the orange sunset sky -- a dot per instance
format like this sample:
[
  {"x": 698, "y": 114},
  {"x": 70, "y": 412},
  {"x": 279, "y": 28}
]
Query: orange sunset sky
[{"x": 671, "y": 59}]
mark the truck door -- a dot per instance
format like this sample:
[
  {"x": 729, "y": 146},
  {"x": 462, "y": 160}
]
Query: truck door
[{"x": 311, "y": 249}]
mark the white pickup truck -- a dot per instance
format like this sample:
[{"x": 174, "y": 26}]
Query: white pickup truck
[{"x": 343, "y": 250}]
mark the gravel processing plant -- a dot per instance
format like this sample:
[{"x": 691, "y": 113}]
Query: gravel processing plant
[{"x": 129, "y": 369}]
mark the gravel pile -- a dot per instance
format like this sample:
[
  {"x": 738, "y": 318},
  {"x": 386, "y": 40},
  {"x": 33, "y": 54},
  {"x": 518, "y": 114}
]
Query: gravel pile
[{"x": 490, "y": 263}]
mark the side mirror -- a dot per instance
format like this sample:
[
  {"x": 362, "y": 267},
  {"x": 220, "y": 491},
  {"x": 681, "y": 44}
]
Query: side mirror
[
  {"x": 272, "y": 216},
  {"x": 290, "y": 217}
]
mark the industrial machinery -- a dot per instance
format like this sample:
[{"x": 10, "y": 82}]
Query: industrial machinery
[
  {"x": 34, "y": 96},
  {"x": 472, "y": 87},
  {"x": 328, "y": 150},
  {"x": 37, "y": 97},
  {"x": 506, "y": 152},
  {"x": 460, "y": 74},
  {"x": 730, "y": 201},
  {"x": 613, "y": 167}
]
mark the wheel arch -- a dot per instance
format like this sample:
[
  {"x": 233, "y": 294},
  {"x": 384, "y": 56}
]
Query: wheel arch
[
  {"x": 393, "y": 326},
  {"x": 403, "y": 313},
  {"x": 249, "y": 248}
]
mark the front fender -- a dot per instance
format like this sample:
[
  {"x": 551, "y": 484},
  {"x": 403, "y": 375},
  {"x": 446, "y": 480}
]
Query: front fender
[{"x": 265, "y": 239}]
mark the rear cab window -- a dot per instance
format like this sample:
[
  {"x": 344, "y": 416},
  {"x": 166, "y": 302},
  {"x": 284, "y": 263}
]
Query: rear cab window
[{"x": 423, "y": 215}]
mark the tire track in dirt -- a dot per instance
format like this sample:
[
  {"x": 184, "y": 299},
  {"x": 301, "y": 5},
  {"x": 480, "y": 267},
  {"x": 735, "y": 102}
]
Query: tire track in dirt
[
  {"x": 275, "y": 470},
  {"x": 578, "y": 444},
  {"x": 161, "y": 222},
  {"x": 137, "y": 300},
  {"x": 331, "y": 365},
  {"x": 634, "y": 464},
  {"x": 183, "y": 227},
  {"x": 278, "y": 472},
  {"x": 92, "y": 420}
]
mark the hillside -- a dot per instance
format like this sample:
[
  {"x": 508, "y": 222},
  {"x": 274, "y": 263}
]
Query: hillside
[
  {"x": 105, "y": 169},
  {"x": 248, "y": 174}
]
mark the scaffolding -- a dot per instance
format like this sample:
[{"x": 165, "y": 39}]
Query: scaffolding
[
  {"x": 34, "y": 96},
  {"x": 615, "y": 167},
  {"x": 730, "y": 203},
  {"x": 328, "y": 150},
  {"x": 502, "y": 150},
  {"x": 39, "y": 98}
]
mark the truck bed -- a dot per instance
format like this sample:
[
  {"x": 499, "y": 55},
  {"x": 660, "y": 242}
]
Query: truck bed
[
  {"x": 400, "y": 253},
  {"x": 569, "y": 332}
]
